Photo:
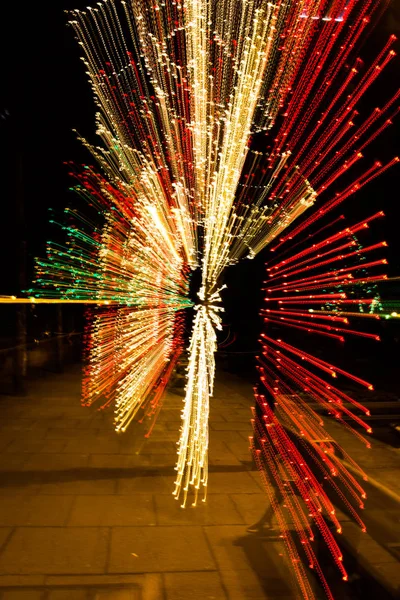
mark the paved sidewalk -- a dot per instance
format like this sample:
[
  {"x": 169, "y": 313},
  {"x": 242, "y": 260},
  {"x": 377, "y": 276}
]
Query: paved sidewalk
[
  {"x": 87, "y": 514},
  {"x": 378, "y": 551}
]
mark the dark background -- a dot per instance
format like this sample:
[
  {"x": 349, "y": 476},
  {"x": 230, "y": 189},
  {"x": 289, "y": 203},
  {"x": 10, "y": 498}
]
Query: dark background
[{"x": 45, "y": 94}]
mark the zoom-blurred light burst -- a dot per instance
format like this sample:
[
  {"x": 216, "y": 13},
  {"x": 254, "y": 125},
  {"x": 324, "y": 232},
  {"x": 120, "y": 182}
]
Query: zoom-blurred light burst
[{"x": 221, "y": 124}]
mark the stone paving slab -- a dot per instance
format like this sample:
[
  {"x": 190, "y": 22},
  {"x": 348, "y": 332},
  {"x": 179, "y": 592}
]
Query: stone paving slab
[
  {"x": 150, "y": 484},
  {"x": 54, "y": 462},
  {"x": 48, "y": 412},
  {"x": 19, "y": 425},
  {"x": 228, "y": 553},
  {"x": 119, "y": 461},
  {"x": 23, "y": 445},
  {"x": 387, "y": 476},
  {"x": 59, "y": 424},
  {"x": 194, "y": 586},
  {"x": 238, "y": 415},
  {"x": 161, "y": 549},
  {"x": 366, "y": 546},
  {"x": 225, "y": 436},
  {"x": 239, "y": 446},
  {"x": 218, "y": 447},
  {"x": 79, "y": 483},
  {"x": 5, "y": 440},
  {"x": 219, "y": 509},
  {"x": 375, "y": 458},
  {"x": 47, "y": 446},
  {"x": 216, "y": 416},
  {"x": 69, "y": 594},
  {"x": 35, "y": 510},
  {"x": 234, "y": 482},
  {"x": 131, "y": 592},
  {"x": 372, "y": 557},
  {"x": 240, "y": 449},
  {"x": 236, "y": 551},
  {"x": 236, "y": 426},
  {"x": 9, "y": 487},
  {"x": 118, "y": 595},
  {"x": 250, "y": 506},
  {"x": 56, "y": 433},
  {"x": 12, "y": 462},
  {"x": 23, "y": 595},
  {"x": 153, "y": 447},
  {"x": 246, "y": 585},
  {"x": 22, "y": 581},
  {"x": 226, "y": 401},
  {"x": 168, "y": 435},
  {"x": 173, "y": 425},
  {"x": 390, "y": 519},
  {"x": 108, "y": 445},
  {"x": 150, "y": 583},
  {"x": 390, "y": 574},
  {"x": 167, "y": 461},
  {"x": 225, "y": 458},
  {"x": 110, "y": 511},
  {"x": 46, "y": 550},
  {"x": 255, "y": 475},
  {"x": 380, "y": 456},
  {"x": 117, "y": 464}
]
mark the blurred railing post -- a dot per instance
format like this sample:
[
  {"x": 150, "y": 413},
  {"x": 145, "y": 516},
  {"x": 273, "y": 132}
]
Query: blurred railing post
[
  {"x": 20, "y": 362},
  {"x": 59, "y": 340},
  {"x": 21, "y": 358}
]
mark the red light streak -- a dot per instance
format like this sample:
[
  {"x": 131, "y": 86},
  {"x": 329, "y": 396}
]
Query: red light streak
[
  {"x": 332, "y": 239},
  {"x": 316, "y": 326},
  {"x": 309, "y": 315}
]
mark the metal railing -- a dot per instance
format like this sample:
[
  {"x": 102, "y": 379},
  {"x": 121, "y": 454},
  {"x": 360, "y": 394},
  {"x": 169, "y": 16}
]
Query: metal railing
[{"x": 40, "y": 343}]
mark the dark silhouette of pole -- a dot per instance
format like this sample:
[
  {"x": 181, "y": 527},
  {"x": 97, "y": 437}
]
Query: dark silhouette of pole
[
  {"x": 21, "y": 356},
  {"x": 59, "y": 340}
]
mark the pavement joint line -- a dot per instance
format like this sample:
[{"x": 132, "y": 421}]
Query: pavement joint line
[
  {"x": 370, "y": 567},
  {"x": 108, "y": 550},
  {"x": 70, "y": 510},
  {"x": 380, "y": 486},
  {"x": 7, "y": 539},
  {"x": 211, "y": 550},
  {"x": 131, "y": 472},
  {"x": 7, "y": 445},
  {"x": 164, "y": 587},
  {"x": 47, "y": 581},
  {"x": 154, "y": 505}
]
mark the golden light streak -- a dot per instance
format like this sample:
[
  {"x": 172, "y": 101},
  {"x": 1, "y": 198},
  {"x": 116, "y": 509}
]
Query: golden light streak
[{"x": 192, "y": 464}]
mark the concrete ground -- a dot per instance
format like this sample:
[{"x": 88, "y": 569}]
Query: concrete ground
[{"x": 87, "y": 514}]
